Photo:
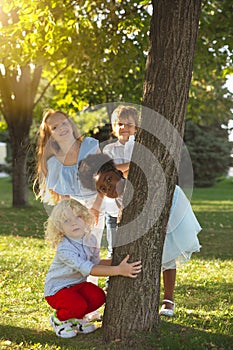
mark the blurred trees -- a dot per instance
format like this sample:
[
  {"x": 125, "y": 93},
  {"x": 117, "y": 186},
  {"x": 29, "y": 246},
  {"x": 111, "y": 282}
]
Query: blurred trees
[
  {"x": 210, "y": 151},
  {"x": 210, "y": 102},
  {"x": 74, "y": 54},
  {"x": 31, "y": 43},
  {"x": 59, "y": 44}
]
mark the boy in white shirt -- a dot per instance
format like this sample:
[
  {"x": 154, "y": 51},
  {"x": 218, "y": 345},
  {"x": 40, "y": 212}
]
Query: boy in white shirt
[{"x": 124, "y": 122}]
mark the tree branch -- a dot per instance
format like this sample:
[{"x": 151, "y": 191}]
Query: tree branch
[{"x": 48, "y": 85}]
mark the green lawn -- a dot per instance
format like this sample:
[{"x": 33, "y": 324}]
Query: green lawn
[{"x": 204, "y": 290}]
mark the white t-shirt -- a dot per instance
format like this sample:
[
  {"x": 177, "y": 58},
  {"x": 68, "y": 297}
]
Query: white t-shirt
[
  {"x": 128, "y": 149},
  {"x": 116, "y": 151}
]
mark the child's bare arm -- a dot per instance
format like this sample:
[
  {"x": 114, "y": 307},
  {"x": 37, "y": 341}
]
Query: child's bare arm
[
  {"x": 123, "y": 269},
  {"x": 96, "y": 207},
  {"x": 123, "y": 167},
  {"x": 106, "y": 262}
]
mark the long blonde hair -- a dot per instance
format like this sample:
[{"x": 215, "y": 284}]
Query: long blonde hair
[
  {"x": 53, "y": 230},
  {"x": 46, "y": 148}
]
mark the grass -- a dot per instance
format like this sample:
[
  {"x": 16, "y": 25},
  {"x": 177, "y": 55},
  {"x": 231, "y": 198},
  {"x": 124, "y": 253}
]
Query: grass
[{"x": 204, "y": 288}]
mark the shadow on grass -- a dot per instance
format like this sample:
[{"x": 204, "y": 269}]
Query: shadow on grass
[
  {"x": 46, "y": 339},
  {"x": 171, "y": 337}
]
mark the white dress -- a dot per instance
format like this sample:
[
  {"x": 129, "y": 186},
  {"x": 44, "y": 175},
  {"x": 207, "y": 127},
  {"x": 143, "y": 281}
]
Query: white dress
[{"x": 181, "y": 238}]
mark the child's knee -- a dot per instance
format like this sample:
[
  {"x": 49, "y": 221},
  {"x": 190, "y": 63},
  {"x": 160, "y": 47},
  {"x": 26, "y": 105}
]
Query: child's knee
[{"x": 98, "y": 296}]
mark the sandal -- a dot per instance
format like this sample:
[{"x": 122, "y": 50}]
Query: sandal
[{"x": 168, "y": 312}]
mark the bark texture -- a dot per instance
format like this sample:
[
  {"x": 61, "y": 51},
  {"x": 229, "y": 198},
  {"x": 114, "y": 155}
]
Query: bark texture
[{"x": 132, "y": 304}]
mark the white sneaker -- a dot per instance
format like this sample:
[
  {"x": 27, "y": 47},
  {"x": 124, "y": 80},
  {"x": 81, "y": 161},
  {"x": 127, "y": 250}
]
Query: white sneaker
[
  {"x": 93, "y": 316},
  {"x": 82, "y": 325},
  {"x": 62, "y": 329}
]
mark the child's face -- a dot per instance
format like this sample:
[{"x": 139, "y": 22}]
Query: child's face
[
  {"x": 73, "y": 225},
  {"x": 110, "y": 183},
  {"x": 124, "y": 128},
  {"x": 59, "y": 127}
]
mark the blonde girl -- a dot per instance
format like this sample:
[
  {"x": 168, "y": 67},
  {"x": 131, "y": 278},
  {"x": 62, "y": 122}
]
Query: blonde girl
[
  {"x": 48, "y": 147},
  {"x": 60, "y": 149}
]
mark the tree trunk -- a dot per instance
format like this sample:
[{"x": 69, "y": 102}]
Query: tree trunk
[
  {"x": 132, "y": 304},
  {"x": 18, "y": 90},
  {"x": 19, "y": 139}
]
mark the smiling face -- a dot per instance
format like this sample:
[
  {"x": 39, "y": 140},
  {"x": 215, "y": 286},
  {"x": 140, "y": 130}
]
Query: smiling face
[
  {"x": 73, "y": 225},
  {"x": 60, "y": 127},
  {"x": 123, "y": 128},
  {"x": 110, "y": 183}
]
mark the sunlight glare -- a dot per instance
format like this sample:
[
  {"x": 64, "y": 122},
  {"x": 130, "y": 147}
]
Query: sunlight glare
[{"x": 2, "y": 69}]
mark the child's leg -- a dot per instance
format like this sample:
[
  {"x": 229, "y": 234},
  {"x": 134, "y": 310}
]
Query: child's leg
[
  {"x": 111, "y": 225},
  {"x": 169, "y": 279},
  {"x": 94, "y": 296},
  {"x": 68, "y": 303},
  {"x": 72, "y": 303},
  {"x": 97, "y": 231}
]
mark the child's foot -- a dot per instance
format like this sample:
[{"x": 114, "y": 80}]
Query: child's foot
[
  {"x": 83, "y": 326},
  {"x": 168, "y": 308},
  {"x": 106, "y": 283},
  {"x": 93, "y": 316},
  {"x": 62, "y": 329}
]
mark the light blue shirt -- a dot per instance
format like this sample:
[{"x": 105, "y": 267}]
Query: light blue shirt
[
  {"x": 63, "y": 179},
  {"x": 72, "y": 264}
]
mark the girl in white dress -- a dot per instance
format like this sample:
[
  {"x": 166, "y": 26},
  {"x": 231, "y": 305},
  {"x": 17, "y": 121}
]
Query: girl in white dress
[{"x": 100, "y": 172}]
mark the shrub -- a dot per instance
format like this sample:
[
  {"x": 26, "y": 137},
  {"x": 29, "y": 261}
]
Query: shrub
[{"x": 210, "y": 152}]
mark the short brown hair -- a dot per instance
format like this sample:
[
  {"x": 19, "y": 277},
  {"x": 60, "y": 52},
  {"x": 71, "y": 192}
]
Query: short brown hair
[{"x": 124, "y": 112}]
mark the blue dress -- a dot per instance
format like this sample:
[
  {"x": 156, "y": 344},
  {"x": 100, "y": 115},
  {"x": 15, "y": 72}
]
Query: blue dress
[
  {"x": 63, "y": 179},
  {"x": 182, "y": 230}
]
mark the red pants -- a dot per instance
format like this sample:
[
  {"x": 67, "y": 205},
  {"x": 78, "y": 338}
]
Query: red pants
[{"x": 76, "y": 301}]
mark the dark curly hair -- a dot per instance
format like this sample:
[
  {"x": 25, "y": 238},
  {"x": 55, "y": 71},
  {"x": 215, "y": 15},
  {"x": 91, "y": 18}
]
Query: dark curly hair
[{"x": 91, "y": 166}]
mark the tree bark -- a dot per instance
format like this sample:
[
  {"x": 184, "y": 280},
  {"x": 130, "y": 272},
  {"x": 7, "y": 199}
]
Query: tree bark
[
  {"x": 19, "y": 138},
  {"x": 132, "y": 304}
]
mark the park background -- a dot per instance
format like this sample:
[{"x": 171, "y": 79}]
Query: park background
[{"x": 81, "y": 66}]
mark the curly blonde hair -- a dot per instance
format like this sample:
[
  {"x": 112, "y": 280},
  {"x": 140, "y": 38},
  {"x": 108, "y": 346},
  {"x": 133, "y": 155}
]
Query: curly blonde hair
[
  {"x": 46, "y": 148},
  {"x": 53, "y": 226}
]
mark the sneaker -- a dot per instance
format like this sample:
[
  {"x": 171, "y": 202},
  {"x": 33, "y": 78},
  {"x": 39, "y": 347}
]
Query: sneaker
[
  {"x": 93, "y": 316},
  {"x": 62, "y": 329},
  {"x": 82, "y": 326}
]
